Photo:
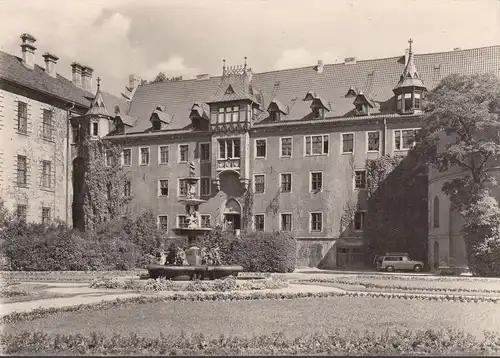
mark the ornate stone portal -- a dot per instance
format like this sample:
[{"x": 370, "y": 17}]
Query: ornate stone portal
[{"x": 191, "y": 263}]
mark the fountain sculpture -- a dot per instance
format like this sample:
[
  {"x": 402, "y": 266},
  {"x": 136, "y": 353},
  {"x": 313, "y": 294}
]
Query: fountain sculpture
[{"x": 193, "y": 263}]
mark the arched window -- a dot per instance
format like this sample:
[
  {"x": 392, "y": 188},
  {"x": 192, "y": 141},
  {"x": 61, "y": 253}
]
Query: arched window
[{"x": 436, "y": 212}]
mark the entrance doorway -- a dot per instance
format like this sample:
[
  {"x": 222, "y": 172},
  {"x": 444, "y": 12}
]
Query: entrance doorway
[
  {"x": 350, "y": 258},
  {"x": 232, "y": 215},
  {"x": 232, "y": 221},
  {"x": 435, "y": 260}
]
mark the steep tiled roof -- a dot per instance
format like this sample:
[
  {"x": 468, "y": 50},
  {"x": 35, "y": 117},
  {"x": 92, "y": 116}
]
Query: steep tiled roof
[
  {"x": 12, "y": 70},
  {"x": 375, "y": 78}
]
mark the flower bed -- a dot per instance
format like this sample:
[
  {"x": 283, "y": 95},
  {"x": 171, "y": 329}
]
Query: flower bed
[
  {"x": 428, "y": 278},
  {"x": 425, "y": 286},
  {"x": 339, "y": 342},
  {"x": 161, "y": 284}
]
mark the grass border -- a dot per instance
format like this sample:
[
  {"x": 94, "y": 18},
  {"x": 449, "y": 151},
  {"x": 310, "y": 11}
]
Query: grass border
[{"x": 38, "y": 313}]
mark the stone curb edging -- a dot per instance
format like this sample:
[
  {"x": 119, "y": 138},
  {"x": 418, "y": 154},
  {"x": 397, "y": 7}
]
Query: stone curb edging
[{"x": 231, "y": 296}]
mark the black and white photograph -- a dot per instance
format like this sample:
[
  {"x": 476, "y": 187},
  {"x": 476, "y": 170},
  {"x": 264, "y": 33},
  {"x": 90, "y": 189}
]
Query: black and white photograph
[{"x": 250, "y": 177}]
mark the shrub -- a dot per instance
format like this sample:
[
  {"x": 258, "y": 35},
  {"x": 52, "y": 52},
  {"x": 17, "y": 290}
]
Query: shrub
[
  {"x": 144, "y": 232},
  {"x": 224, "y": 240},
  {"x": 486, "y": 261},
  {"x": 34, "y": 247},
  {"x": 265, "y": 252}
]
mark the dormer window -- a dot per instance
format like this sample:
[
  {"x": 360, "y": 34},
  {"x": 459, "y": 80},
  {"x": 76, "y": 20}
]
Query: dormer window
[
  {"x": 318, "y": 112},
  {"x": 362, "y": 105},
  {"x": 275, "y": 116},
  {"x": 156, "y": 125},
  {"x": 120, "y": 128}
]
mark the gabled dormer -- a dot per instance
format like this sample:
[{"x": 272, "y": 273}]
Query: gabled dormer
[
  {"x": 200, "y": 116},
  {"x": 319, "y": 106},
  {"x": 122, "y": 122},
  {"x": 160, "y": 119},
  {"x": 351, "y": 92},
  {"x": 234, "y": 104},
  {"x": 410, "y": 89},
  {"x": 362, "y": 105},
  {"x": 276, "y": 109}
]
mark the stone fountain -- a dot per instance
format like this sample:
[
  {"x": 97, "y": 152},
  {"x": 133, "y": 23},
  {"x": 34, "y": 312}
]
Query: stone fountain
[{"x": 193, "y": 263}]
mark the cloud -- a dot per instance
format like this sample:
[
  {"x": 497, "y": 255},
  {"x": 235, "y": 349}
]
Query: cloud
[
  {"x": 300, "y": 57},
  {"x": 174, "y": 66}
]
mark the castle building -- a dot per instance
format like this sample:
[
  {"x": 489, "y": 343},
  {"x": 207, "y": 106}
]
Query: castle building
[
  {"x": 36, "y": 103},
  {"x": 280, "y": 150}
]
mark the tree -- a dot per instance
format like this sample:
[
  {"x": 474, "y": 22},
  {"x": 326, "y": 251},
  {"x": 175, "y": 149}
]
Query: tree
[
  {"x": 464, "y": 110},
  {"x": 161, "y": 77}
]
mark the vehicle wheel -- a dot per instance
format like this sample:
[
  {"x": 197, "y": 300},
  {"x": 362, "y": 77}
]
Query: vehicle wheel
[
  {"x": 417, "y": 268},
  {"x": 389, "y": 269}
]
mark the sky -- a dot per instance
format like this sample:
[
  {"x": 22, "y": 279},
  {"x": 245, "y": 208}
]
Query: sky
[{"x": 185, "y": 38}]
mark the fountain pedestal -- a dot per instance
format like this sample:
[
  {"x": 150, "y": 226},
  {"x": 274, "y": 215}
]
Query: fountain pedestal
[{"x": 195, "y": 269}]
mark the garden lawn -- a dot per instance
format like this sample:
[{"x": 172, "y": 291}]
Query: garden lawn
[{"x": 292, "y": 317}]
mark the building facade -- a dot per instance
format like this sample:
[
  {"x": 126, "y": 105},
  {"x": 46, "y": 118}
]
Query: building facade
[
  {"x": 282, "y": 150},
  {"x": 36, "y": 103}
]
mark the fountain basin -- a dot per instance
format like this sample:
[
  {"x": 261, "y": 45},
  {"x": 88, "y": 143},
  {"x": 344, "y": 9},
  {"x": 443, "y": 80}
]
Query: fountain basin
[
  {"x": 186, "y": 273},
  {"x": 191, "y": 201}
]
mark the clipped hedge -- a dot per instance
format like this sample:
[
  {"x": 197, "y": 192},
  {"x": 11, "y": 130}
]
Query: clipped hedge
[
  {"x": 337, "y": 342},
  {"x": 265, "y": 252}
]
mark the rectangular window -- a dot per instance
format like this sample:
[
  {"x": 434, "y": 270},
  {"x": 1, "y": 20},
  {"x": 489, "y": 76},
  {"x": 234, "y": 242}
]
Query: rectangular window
[
  {"x": 144, "y": 156},
  {"x": 183, "y": 187},
  {"x": 316, "y": 222},
  {"x": 259, "y": 222},
  {"x": 286, "y": 147},
  {"x": 47, "y": 124},
  {"x": 373, "y": 141},
  {"x": 205, "y": 220},
  {"x": 163, "y": 222},
  {"x": 164, "y": 154},
  {"x": 317, "y": 144},
  {"x": 205, "y": 152},
  {"x": 405, "y": 139},
  {"x": 127, "y": 157},
  {"x": 347, "y": 143},
  {"x": 95, "y": 129},
  {"x": 163, "y": 187},
  {"x": 109, "y": 158},
  {"x": 21, "y": 212},
  {"x": 183, "y": 153},
  {"x": 260, "y": 148},
  {"x": 182, "y": 221},
  {"x": 45, "y": 216},
  {"x": 76, "y": 133},
  {"x": 286, "y": 182},
  {"x": 236, "y": 113},
  {"x": 359, "y": 221},
  {"x": 229, "y": 149},
  {"x": 46, "y": 174},
  {"x": 360, "y": 179},
  {"x": 286, "y": 222},
  {"x": 220, "y": 118},
  {"x": 22, "y": 117},
  {"x": 22, "y": 170},
  {"x": 205, "y": 186},
  {"x": 259, "y": 183},
  {"x": 127, "y": 189},
  {"x": 316, "y": 181}
]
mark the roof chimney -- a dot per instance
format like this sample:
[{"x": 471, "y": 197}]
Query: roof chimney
[
  {"x": 28, "y": 50},
  {"x": 50, "y": 63},
  {"x": 87, "y": 78},
  {"x": 350, "y": 60},
  {"x": 319, "y": 68},
  {"x": 457, "y": 49},
  {"x": 203, "y": 76},
  {"x": 134, "y": 81},
  {"x": 76, "y": 74}
]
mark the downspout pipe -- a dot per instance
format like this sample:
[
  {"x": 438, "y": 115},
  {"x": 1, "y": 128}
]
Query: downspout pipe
[
  {"x": 68, "y": 158},
  {"x": 384, "y": 151}
]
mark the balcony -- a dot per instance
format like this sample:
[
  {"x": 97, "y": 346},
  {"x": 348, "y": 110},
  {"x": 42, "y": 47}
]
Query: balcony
[{"x": 231, "y": 163}]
